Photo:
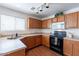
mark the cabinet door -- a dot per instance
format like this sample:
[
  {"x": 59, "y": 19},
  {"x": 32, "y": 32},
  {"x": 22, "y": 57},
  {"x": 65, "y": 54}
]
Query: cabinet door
[
  {"x": 45, "y": 40},
  {"x": 30, "y": 42},
  {"x": 39, "y": 24},
  {"x": 67, "y": 47},
  {"x": 54, "y": 20},
  {"x": 44, "y": 24},
  {"x": 34, "y": 23},
  {"x": 38, "y": 40},
  {"x": 76, "y": 48},
  {"x": 71, "y": 20},
  {"x": 60, "y": 19},
  {"x": 49, "y": 23},
  {"x": 24, "y": 40},
  {"x": 31, "y": 23},
  {"x": 78, "y": 19}
]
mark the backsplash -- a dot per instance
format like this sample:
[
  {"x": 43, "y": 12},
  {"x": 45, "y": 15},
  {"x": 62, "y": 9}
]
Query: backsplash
[
  {"x": 75, "y": 32},
  {"x": 28, "y": 31},
  {"x": 46, "y": 30}
]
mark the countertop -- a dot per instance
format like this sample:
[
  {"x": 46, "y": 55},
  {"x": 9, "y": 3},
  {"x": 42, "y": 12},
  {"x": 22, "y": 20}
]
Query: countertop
[
  {"x": 74, "y": 39},
  {"x": 8, "y": 45},
  {"x": 22, "y": 36}
]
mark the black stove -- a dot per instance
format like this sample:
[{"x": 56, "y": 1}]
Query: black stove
[{"x": 56, "y": 41}]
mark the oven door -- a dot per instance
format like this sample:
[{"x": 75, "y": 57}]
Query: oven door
[{"x": 54, "y": 41}]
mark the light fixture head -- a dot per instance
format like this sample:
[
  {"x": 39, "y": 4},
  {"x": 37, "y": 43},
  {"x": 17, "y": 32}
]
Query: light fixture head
[
  {"x": 37, "y": 12},
  {"x": 41, "y": 10},
  {"x": 33, "y": 8},
  {"x": 46, "y": 5}
]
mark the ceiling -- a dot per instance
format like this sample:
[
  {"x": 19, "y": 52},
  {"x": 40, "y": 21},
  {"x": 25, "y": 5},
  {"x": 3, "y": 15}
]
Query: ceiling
[{"x": 53, "y": 8}]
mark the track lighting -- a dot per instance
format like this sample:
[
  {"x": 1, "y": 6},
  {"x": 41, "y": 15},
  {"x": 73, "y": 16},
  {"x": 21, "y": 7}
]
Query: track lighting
[{"x": 40, "y": 8}]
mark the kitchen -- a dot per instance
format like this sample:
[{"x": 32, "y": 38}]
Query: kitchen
[{"x": 36, "y": 29}]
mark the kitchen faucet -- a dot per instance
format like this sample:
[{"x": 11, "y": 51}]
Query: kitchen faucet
[{"x": 16, "y": 35}]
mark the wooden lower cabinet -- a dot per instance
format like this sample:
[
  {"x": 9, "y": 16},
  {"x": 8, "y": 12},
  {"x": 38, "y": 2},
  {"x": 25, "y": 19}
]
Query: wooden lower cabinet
[
  {"x": 38, "y": 40},
  {"x": 71, "y": 47},
  {"x": 76, "y": 48},
  {"x": 17, "y": 53},
  {"x": 28, "y": 41},
  {"x": 32, "y": 41},
  {"x": 67, "y": 47},
  {"x": 45, "y": 40}
]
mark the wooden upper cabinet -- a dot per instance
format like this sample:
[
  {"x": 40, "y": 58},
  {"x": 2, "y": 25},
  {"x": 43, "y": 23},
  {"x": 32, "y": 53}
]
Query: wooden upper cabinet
[
  {"x": 39, "y": 24},
  {"x": 46, "y": 23},
  {"x": 49, "y": 23},
  {"x": 60, "y": 18},
  {"x": 67, "y": 47},
  {"x": 78, "y": 19},
  {"x": 54, "y": 20},
  {"x": 71, "y": 20},
  {"x": 34, "y": 23}
]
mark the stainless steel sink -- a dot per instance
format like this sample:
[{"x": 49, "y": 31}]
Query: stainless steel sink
[{"x": 13, "y": 37}]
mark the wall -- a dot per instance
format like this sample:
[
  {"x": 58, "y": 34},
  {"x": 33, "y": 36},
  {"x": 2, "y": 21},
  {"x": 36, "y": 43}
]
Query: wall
[
  {"x": 46, "y": 30},
  {"x": 25, "y": 16},
  {"x": 10, "y": 12}
]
